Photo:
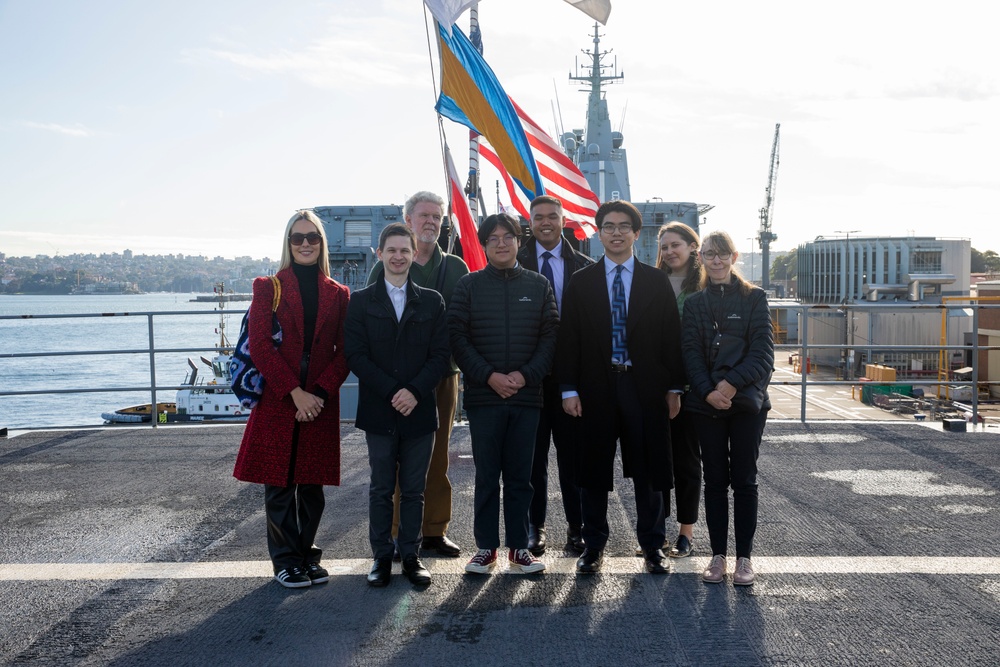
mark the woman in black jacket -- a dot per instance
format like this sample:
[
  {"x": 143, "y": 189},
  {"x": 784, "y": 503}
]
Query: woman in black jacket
[{"x": 728, "y": 351}]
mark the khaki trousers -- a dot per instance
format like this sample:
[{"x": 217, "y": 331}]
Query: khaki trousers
[{"x": 437, "y": 494}]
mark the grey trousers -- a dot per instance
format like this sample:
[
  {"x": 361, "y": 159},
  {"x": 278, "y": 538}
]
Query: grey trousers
[{"x": 411, "y": 457}]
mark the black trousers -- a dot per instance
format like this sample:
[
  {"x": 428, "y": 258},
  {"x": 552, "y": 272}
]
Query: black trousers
[
  {"x": 687, "y": 468},
  {"x": 729, "y": 449},
  {"x": 649, "y": 506},
  {"x": 502, "y": 445},
  {"x": 293, "y": 515},
  {"x": 554, "y": 426}
]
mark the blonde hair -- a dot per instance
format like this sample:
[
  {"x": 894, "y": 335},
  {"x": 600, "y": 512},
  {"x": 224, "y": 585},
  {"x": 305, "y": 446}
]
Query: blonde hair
[
  {"x": 719, "y": 241},
  {"x": 324, "y": 251}
]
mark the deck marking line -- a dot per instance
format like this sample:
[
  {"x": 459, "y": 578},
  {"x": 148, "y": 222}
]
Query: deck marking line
[{"x": 964, "y": 565}]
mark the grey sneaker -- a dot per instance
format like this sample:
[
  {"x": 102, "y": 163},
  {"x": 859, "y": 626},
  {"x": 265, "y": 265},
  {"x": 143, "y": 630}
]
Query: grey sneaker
[
  {"x": 716, "y": 570},
  {"x": 743, "y": 574}
]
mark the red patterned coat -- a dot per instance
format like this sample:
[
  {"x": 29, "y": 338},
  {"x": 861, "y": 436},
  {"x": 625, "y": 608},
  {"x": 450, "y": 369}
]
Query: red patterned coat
[{"x": 266, "y": 450}]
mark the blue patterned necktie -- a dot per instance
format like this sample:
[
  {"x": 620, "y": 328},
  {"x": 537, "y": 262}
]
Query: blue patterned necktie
[{"x": 619, "y": 346}]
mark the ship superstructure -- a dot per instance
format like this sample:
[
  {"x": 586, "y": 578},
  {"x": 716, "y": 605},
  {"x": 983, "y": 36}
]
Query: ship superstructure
[{"x": 599, "y": 153}]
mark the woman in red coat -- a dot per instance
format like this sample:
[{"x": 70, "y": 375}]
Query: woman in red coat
[{"x": 292, "y": 440}]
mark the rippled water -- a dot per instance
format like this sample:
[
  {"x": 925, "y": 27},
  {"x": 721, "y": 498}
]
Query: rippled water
[{"x": 123, "y": 329}]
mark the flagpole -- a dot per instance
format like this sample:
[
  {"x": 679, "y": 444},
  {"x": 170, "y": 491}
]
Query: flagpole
[
  {"x": 442, "y": 140},
  {"x": 472, "y": 187}
]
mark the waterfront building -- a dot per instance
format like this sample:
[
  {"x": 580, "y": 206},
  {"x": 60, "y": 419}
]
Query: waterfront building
[
  {"x": 893, "y": 277},
  {"x": 879, "y": 268}
]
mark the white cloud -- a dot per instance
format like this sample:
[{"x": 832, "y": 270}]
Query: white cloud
[
  {"x": 75, "y": 130},
  {"x": 352, "y": 53}
]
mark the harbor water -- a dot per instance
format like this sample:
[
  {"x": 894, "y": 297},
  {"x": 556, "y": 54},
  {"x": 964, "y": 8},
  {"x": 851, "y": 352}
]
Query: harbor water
[{"x": 118, "y": 332}]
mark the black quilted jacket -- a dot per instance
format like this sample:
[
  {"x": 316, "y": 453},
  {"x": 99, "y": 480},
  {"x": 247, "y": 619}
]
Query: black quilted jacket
[
  {"x": 503, "y": 321},
  {"x": 737, "y": 315}
]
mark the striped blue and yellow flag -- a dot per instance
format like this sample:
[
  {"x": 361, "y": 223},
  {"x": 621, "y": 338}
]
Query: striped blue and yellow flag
[{"x": 472, "y": 96}]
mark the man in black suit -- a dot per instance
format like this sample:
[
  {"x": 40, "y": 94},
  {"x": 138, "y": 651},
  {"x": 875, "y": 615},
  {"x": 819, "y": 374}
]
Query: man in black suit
[
  {"x": 548, "y": 253},
  {"x": 619, "y": 366},
  {"x": 396, "y": 342}
]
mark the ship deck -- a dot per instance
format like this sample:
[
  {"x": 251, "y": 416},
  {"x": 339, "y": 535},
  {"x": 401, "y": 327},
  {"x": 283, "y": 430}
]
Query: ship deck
[{"x": 878, "y": 543}]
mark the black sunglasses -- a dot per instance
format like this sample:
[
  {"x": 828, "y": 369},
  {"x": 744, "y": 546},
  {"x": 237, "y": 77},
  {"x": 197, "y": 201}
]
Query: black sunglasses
[{"x": 298, "y": 239}]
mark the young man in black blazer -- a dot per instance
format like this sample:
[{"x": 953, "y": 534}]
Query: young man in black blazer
[
  {"x": 619, "y": 366},
  {"x": 396, "y": 342}
]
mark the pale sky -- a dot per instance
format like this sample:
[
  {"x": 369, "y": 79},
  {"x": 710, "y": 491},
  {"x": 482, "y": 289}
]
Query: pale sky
[{"x": 198, "y": 127}]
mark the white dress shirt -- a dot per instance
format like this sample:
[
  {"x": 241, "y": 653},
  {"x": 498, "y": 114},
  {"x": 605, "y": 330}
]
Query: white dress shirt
[{"x": 398, "y": 297}]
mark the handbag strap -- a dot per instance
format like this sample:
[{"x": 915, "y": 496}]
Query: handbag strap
[{"x": 277, "y": 293}]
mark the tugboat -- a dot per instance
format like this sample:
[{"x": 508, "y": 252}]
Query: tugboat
[{"x": 199, "y": 400}]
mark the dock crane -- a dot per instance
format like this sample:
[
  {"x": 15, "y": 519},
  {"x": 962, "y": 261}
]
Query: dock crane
[{"x": 765, "y": 236}]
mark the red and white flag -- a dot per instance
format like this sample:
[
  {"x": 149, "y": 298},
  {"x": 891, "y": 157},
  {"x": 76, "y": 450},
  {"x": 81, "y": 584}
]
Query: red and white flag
[
  {"x": 560, "y": 178},
  {"x": 461, "y": 218}
]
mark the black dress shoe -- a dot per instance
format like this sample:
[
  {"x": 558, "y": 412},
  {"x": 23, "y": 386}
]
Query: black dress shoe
[
  {"x": 380, "y": 573},
  {"x": 415, "y": 571},
  {"x": 536, "y": 540},
  {"x": 682, "y": 548},
  {"x": 656, "y": 562},
  {"x": 442, "y": 546},
  {"x": 590, "y": 562},
  {"x": 574, "y": 540}
]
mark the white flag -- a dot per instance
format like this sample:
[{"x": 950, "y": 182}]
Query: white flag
[
  {"x": 447, "y": 11},
  {"x": 599, "y": 10}
]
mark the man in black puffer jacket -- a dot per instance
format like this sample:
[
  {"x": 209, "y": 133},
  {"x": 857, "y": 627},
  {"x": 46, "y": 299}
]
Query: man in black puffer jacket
[{"x": 503, "y": 322}]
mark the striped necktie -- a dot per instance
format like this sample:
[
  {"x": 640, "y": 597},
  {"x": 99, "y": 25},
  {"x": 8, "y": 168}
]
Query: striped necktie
[{"x": 619, "y": 345}]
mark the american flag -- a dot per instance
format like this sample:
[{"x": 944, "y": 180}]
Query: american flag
[{"x": 560, "y": 178}]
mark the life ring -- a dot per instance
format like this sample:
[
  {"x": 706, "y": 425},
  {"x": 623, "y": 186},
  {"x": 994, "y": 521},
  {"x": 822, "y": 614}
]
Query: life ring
[{"x": 238, "y": 413}]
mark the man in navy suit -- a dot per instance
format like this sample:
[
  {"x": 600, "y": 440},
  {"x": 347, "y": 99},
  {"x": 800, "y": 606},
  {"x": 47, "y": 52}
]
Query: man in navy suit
[
  {"x": 548, "y": 253},
  {"x": 619, "y": 366}
]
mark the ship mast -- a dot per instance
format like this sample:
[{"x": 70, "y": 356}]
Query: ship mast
[{"x": 598, "y": 152}]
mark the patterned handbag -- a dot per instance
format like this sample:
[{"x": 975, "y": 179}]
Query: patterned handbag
[{"x": 247, "y": 381}]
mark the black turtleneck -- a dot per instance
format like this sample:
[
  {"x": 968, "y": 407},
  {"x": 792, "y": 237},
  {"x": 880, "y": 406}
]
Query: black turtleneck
[{"x": 309, "y": 291}]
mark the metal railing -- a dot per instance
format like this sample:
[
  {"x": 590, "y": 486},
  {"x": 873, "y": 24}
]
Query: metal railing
[
  {"x": 804, "y": 313},
  {"x": 870, "y": 349},
  {"x": 150, "y": 351}
]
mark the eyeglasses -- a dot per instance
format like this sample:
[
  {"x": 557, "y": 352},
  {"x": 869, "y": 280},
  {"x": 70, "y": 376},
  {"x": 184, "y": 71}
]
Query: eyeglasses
[
  {"x": 494, "y": 241},
  {"x": 312, "y": 238},
  {"x": 623, "y": 228},
  {"x": 711, "y": 254}
]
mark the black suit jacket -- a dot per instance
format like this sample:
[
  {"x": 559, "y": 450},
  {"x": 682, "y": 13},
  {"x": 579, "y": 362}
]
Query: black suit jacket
[
  {"x": 388, "y": 355},
  {"x": 583, "y": 361}
]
